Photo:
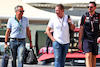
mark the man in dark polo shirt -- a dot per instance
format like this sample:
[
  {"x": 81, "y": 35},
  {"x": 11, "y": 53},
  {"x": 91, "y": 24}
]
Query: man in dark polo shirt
[{"x": 89, "y": 30}]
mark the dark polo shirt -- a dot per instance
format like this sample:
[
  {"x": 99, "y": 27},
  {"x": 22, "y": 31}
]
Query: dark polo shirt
[{"x": 91, "y": 26}]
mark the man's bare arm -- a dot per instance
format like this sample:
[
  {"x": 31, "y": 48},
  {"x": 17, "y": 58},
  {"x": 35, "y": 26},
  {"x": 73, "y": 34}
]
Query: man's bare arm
[
  {"x": 7, "y": 34},
  {"x": 80, "y": 36},
  {"x": 49, "y": 33},
  {"x": 29, "y": 36}
]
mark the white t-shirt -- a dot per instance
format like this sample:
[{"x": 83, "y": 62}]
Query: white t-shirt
[{"x": 60, "y": 35}]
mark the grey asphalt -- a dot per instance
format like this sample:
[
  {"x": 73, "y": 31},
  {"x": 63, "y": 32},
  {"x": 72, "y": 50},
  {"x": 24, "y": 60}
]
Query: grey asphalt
[
  {"x": 67, "y": 64},
  {"x": 36, "y": 65}
]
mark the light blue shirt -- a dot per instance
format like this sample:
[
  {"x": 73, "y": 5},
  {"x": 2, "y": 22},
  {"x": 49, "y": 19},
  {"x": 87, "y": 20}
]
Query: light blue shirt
[{"x": 15, "y": 27}]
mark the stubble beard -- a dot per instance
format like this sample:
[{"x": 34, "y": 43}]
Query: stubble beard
[{"x": 90, "y": 11}]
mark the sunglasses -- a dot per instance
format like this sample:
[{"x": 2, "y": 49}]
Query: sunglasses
[
  {"x": 21, "y": 10},
  {"x": 89, "y": 7}
]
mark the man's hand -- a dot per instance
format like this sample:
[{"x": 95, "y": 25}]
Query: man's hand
[
  {"x": 53, "y": 40},
  {"x": 69, "y": 21},
  {"x": 98, "y": 40},
  {"x": 6, "y": 46}
]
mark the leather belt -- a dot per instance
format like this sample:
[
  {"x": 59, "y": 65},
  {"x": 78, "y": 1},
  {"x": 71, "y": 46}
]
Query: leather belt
[{"x": 18, "y": 38}]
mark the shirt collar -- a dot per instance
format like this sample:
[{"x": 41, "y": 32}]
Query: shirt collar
[{"x": 17, "y": 19}]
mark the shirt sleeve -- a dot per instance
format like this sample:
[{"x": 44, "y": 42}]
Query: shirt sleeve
[
  {"x": 9, "y": 24},
  {"x": 27, "y": 25},
  {"x": 50, "y": 24},
  {"x": 82, "y": 20}
]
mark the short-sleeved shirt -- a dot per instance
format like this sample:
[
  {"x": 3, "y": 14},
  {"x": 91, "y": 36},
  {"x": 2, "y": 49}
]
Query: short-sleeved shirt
[
  {"x": 15, "y": 27},
  {"x": 60, "y": 35},
  {"x": 91, "y": 25}
]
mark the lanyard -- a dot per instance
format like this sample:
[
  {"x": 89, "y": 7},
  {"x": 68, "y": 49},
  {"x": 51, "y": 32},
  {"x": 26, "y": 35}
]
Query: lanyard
[
  {"x": 20, "y": 24},
  {"x": 61, "y": 22},
  {"x": 92, "y": 21}
]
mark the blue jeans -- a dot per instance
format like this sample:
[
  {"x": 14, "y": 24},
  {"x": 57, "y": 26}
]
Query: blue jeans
[
  {"x": 60, "y": 51},
  {"x": 17, "y": 48}
]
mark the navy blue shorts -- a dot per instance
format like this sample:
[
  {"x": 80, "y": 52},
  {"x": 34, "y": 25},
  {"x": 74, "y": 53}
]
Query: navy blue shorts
[{"x": 90, "y": 46}]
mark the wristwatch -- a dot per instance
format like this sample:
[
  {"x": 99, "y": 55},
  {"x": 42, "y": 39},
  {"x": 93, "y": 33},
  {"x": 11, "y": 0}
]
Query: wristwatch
[{"x": 5, "y": 42}]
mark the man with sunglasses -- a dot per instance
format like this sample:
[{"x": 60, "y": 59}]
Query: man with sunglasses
[
  {"x": 89, "y": 32},
  {"x": 17, "y": 28}
]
